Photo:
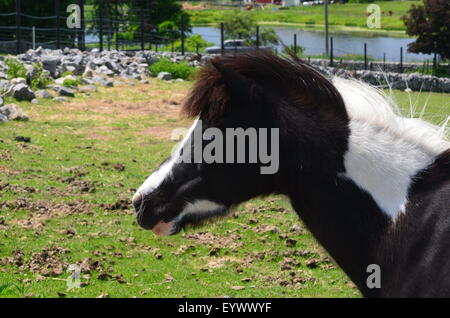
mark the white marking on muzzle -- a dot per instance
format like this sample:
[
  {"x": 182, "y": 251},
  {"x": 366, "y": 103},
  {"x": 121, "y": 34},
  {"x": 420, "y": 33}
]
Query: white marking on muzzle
[
  {"x": 199, "y": 207},
  {"x": 157, "y": 177}
]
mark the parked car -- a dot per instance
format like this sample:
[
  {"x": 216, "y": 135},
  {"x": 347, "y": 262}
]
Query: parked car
[{"x": 234, "y": 46}]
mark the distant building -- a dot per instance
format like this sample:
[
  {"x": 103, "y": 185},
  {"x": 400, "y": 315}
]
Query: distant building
[
  {"x": 284, "y": 3},
  {"x": 291, "y": 3},
  {"x": 263, "y": 1}
]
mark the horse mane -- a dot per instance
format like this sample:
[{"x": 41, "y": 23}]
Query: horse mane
[
  {"x": 372, "y": 106},
  {"x": 291, "y": 79},
  {"x": 298, "y": 84}
]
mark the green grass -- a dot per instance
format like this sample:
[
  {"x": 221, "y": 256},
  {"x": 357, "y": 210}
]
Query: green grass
[
  {"x": 83, "y": 142},
  {"x": 350, "y": 15}
]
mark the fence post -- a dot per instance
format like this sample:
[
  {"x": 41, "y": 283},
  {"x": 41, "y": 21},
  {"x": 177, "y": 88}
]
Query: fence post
[
  {"x": 434, "y": 64},
  {"x": 182, "y": 34},
  {"x": 116, "y": 23},
  {"x": 222, "y": 48},
  {"x": 384, "y": 61},
  {"x": 331, "y": 51},
  {"x": 401, "y": 59},
  {"x": 108, "y": 18},
  {"x": 100, "y": 25},
  {"x": 83, "y": 25},
  {"x": 257, "y": 36},
  {"x": 365, "y": 56},
  {"x": 142, "y": 27},
  {"x": 80, "y": 32},
  {"x": 34, "y": 37},
  {"x": 18, "y": 16},
  {"x": 149, "y": 8},
  {"x": 57, "y": 14},
  {"x": 295, "y": 44}
]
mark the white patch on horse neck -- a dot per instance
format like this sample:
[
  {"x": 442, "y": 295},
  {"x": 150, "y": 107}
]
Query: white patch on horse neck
[
  {"x": 385, "y": 150},
  {"x": 164, "y": 171},
  {"x": 199, "y": 207}
]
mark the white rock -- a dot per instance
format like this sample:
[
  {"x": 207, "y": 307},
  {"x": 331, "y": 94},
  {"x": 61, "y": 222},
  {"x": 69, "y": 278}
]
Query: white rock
[{"x": 165, "y": 76}]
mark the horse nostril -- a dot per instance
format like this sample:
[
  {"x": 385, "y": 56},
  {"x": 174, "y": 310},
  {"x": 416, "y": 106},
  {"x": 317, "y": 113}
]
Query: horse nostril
[{"x": 137, "y": 201}]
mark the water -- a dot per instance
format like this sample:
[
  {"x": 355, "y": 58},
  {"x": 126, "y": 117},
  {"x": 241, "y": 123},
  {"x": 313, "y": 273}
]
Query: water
[{"x": 314, "y": 43}]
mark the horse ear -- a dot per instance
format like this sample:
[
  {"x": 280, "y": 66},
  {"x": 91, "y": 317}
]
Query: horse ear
[{"x": 239, "y": 86}]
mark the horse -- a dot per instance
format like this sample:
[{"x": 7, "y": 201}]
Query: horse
[{"x": 372, "y": 187}]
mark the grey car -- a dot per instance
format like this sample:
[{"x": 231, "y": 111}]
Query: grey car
[{"x": 233, "y": 46}]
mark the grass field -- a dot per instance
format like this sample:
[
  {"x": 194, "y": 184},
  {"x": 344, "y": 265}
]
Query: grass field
[
  {"x": 350, "y": 15},
  {"x": 65, "y": 200}
]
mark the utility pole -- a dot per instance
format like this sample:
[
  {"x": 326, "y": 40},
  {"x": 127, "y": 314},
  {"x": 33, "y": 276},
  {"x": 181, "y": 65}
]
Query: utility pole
[{"x": 327, "y": 48}]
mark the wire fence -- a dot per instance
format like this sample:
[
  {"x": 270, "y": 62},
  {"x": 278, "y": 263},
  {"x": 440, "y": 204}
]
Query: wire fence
[
  {"x": 98, "y": 29},
  {"x": 20, "y": 31}
]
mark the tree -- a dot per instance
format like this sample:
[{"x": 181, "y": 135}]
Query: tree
[
  {"x": 191, "y": 44},
  {"x": 162, "y": 17},
  {"x": 431, "y": 24},
  {"x": 242, "y": 25}
]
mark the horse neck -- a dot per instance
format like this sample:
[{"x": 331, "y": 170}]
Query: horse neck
[
  {"x": 345, "y": 220},
  {"x": 349, "y": 212}
]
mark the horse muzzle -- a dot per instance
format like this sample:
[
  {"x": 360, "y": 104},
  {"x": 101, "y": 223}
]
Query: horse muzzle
[{"x": 147, "y": 222}]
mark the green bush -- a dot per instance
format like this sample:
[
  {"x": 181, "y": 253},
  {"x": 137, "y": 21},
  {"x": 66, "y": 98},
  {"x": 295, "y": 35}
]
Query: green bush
[
  {"x": 178, "y": 70},
  {"x": 40, "y": 79},
  {"x": 15, "y": 69},
  {"x": 66, "y": 73},
  {"x": 69, "y": 83}
]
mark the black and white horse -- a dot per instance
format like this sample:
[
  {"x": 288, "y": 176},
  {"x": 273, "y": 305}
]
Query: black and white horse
[{"x": 372, "y": 187}]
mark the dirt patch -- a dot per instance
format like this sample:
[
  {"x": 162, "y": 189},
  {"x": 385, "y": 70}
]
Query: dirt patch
[
  {"x": 81, "y": 186},
  {"x": 16, "y": 188},
  {"x": 42, "y": 210},
  {"x": 294, "y": 279},
  {"x": 206, "y": 238},
  {"x": 166, "y": 108},
  {"x": 5, "y": 155},
  {"x": 48, "y": 262},
  {"x": 9, "y": 172},
  {"x": 117, "y": 103},
  {"x": 219, "y": 262},
  {"x": 122, "y": 204}
]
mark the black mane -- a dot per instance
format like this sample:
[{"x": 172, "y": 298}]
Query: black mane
[{"x": 292, "y": 79}]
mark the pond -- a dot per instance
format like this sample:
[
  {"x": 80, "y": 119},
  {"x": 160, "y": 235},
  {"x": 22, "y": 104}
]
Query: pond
[{"x": 344, "y": 43}]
